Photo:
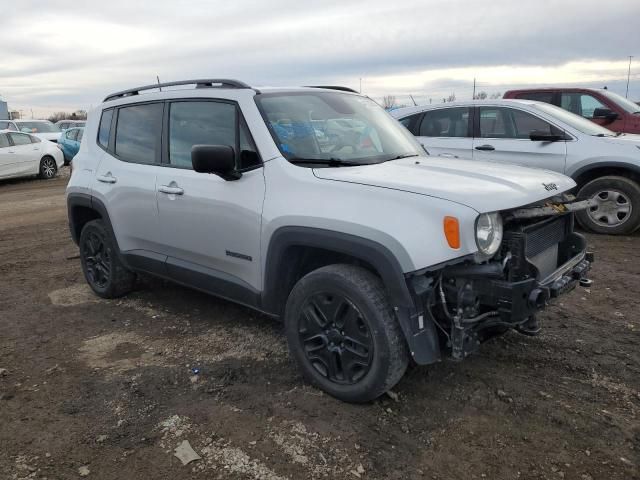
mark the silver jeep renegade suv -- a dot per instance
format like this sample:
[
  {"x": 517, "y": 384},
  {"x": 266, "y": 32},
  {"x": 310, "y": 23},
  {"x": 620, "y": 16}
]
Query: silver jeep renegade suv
[{"x": 314, "y": 205}]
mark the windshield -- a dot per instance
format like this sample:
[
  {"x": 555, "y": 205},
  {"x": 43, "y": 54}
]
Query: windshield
[
  {"x": 579, "y": 123},
  {"x": 332, "y": 126},
  {"x": 624, "y": 103},
  {"x": 38, "y": 127}
]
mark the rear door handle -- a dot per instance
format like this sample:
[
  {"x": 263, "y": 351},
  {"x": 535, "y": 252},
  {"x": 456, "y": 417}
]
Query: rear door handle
[
  {"x": 108, "y": 178},
  {"x": 448, "y": 155},
  {"x": 171, "y": 190},
  {"x": 487, "y": 148}
]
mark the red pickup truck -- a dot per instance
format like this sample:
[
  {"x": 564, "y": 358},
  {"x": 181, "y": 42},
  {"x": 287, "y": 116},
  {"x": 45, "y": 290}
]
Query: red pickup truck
[{"x": 601, "y": 106}]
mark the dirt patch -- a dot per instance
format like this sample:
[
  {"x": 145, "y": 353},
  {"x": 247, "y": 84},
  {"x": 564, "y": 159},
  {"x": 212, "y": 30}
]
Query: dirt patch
[
  {"x": 73, "y": 295},
  {"x": 115, "y": 386}
]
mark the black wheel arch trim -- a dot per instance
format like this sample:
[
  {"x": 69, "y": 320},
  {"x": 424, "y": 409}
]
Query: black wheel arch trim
[
  {"x": 423, "y": 342},
  {"x": 610, "y": 164},
  {"x": 77, "y": 199}
]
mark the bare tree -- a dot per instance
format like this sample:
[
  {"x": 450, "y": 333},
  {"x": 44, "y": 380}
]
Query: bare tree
[
  {"x": 388, "y": 101},
  {"x": 480, "y": 96},
  {"x": 496, "y": 95},
  {"x": 451, "y": 98},
  {"x": 77, "y": 115}
]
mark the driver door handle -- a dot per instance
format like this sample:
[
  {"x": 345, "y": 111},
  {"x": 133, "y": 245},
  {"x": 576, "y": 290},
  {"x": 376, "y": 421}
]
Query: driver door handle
[
  {"x": 171, "y": 190},
  {"x": 486, "y": 148},
  {"x": 448, "y": 155}
]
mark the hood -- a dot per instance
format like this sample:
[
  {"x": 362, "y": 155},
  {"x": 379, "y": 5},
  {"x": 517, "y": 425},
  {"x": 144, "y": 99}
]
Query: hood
[
  {"x": 483, "y": 186},
  {"x": 51, "y": 136}
]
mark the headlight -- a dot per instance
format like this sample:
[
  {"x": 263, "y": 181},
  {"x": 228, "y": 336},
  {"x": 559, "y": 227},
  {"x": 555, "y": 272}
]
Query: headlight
[{"x": 489, "y": 233}]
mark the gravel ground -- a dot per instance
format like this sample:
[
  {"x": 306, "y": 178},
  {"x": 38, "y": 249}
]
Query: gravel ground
[{"x": 105, "y": 389}]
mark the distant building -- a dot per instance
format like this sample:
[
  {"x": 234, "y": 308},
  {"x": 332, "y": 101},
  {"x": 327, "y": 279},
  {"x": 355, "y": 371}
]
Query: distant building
[
  {"x": 4, "y": 111},
  {"x": 14, "y": 115}
]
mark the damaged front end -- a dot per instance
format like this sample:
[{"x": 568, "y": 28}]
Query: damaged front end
[{"x": 539, "y": 259}]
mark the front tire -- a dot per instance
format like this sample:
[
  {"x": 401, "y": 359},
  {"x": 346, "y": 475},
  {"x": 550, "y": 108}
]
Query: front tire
[
  {"x": 105, "y": 273},
  {"x": 48, "y": 167},
  {"x": 617, "y": 211},
  {"x": 343, "y": 335}
]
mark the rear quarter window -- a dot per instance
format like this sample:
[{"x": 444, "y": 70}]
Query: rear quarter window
[{"x": 104, "y": 129}]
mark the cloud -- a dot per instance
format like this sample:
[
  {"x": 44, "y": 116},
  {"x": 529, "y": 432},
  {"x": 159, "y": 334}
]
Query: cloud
[{"x": 69, "y": 54}]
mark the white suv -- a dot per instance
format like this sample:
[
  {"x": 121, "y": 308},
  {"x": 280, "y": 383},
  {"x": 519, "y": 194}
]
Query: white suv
[
  {"x": 604, "y": 164},
  {"x": 314, "y": 205}
]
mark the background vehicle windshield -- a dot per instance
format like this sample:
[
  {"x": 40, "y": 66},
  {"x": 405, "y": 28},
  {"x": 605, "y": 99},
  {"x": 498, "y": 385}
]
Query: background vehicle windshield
[
  {"x": 579, "y": 123},
  {"x": 332, "y": 125},
  {"x": 38, "y": 127},
  {"x": 624, "y": 103}
]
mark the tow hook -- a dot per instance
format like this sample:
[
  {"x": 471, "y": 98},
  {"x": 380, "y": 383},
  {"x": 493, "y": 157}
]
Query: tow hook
[
  {"x": 585, "y": 282},
  {"x": 538, "y": 298}
]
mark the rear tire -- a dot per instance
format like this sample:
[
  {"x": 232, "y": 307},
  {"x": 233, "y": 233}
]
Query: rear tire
[
  {"x": 343, "y": 335},
  {"x": 104, "y": 271},
  {"x": 48, "y": 167},
  {"x": 618, "y": 208}
]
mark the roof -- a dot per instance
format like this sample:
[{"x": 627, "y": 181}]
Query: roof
[
  {"x": 402, "y": 112},
  {"x": 30, "y": 121},
  {"x": 554, "y": 89}
]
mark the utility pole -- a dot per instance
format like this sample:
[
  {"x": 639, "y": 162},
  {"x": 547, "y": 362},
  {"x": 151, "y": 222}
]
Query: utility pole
[
  {"x": 474, "y": 89},
  {"x": 360, "y": 84},
  {"x": 626, "y": 95},
  {"x": 158, "y": 78}
]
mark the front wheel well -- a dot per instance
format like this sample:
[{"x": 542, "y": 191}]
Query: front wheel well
[
  {"x": 585, "y": 177},
  {"x": 301, "y": 260}
]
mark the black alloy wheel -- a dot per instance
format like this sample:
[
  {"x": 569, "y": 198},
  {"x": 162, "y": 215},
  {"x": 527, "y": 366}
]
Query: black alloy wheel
[
  {"x": 97, "y": 260},
  {"x": 337, "y": 340}
]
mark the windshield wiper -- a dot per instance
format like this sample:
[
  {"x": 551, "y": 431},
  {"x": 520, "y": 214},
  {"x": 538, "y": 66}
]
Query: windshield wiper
[
  {"x": 332, "y": 162},
  {"x": 406, "y": 155}
]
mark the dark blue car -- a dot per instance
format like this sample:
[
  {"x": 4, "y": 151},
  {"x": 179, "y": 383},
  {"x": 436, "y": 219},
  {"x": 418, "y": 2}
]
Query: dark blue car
[{"x": 69, "y": 143}]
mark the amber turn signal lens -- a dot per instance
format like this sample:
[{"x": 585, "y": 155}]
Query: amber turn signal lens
[{"x": 452, "y": 231}]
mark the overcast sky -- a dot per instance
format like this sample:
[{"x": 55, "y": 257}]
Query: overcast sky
[{"x": 66, "y": 55}]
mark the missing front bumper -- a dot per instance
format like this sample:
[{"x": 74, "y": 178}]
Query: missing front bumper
[{"x": 487, "y": 299}]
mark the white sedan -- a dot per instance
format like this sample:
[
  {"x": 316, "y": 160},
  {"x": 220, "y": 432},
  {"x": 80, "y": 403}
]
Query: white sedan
[
  {"x": 605, "y": 165},
  {"x": 22, "y": 154}
]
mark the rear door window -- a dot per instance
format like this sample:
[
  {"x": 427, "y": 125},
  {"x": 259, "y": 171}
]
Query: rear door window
[
  {"x": 71, "y": 134},
  {"x": 546, "y": 97},
  {"x": 20, "y": 139},
  {"x": 445, "y": 122},
  {"x": 138, "y": 133}
]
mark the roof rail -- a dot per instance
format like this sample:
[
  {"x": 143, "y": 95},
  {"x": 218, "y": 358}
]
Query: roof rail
[
  {"x": 334, "y": 87},
  {"x": 203, "y": 83}
]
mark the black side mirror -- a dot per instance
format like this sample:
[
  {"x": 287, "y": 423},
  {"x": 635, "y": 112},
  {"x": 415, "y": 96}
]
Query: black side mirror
[
  {"x": 539, "y": 136},
  {"x": 605, "y": 114},
  {"x": 217, "y": 159}
]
